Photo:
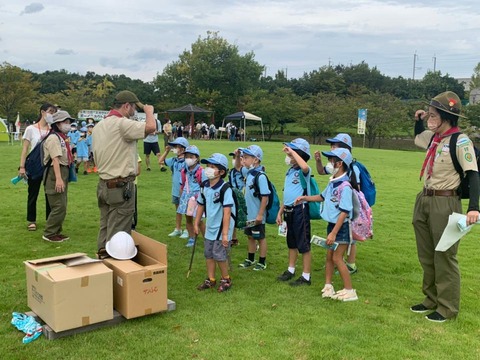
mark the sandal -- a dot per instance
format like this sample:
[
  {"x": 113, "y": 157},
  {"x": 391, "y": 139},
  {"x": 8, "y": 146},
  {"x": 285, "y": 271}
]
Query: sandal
[{"x": 32, "y": 227}]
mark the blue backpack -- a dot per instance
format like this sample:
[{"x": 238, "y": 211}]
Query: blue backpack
[
  {"x": 313, "y": 206},
  {"x": 34, "y": 167},
  {"x": 367, "y": 186},
  {"x": 273, "y": 205}
]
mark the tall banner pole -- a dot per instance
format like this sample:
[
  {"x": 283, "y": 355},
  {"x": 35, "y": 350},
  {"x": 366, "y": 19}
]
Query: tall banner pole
[{"x": 362, "y": 123}]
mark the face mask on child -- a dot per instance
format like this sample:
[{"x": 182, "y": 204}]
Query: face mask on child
[
  {"x": 190, "y": 162},
  {"x": 288, "y": 161},
  {"x": 210, "y": 173},
  {"x": 64, "y": 128},
  {"x": 233, "y": 162},
  {"x": 331, "y": 169},
  {"x": 175, "y": 151}
]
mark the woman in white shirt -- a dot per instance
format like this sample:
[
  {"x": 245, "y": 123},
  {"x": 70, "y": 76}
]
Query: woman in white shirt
[{"x": 32, "y": 136}]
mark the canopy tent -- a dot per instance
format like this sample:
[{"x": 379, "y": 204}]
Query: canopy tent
[
  {"x": 243, "y": 116},
  {"x": 192, "y": 110}
]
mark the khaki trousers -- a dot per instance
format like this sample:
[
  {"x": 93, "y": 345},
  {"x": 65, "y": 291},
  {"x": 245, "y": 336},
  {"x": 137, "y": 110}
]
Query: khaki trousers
[
  {"x": 57, "y": 202},
  {"x": 441, "y": 274},
  {"x": 116, "y": 213}
]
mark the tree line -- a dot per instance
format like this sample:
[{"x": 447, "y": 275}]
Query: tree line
[{"x": 213, "y": 74}]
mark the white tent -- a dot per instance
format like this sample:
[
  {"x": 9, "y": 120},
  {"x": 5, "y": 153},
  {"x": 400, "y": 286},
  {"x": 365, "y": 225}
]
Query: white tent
[{"x": 243, "y": 116}]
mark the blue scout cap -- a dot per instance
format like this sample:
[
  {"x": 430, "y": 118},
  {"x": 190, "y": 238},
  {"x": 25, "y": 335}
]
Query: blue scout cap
[
  {"x": 216, "y": 159},
  {"x": 253, "y": 150},
  {"x": 179, "y": 141},
  {"x": 341, "y": 138},
  {"x": 192, "y": 149},
  {"x": 300, "y": 144},
  {"x": 342, "y": 154}
]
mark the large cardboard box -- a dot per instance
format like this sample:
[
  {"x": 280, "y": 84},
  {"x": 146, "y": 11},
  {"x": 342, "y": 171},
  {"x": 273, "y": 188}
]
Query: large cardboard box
[
  {"x": 140, "y": 284},
  {"x": 69, "y": 291}
]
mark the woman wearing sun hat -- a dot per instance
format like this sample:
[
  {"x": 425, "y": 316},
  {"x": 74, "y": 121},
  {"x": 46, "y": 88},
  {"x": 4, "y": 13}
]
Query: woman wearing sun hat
[{"x": 437, "y": 200}]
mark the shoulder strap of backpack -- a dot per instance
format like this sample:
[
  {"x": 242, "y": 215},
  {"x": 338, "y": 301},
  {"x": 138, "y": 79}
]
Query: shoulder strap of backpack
[
  {"x": 256, "y": 187},
  {"x": 198, "y": 174},
  {"x": 183, "y": 175},
  {"x": 453, "y": 154}
]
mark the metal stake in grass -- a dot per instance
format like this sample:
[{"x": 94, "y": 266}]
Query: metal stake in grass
[{"x": 191, "y": 258}]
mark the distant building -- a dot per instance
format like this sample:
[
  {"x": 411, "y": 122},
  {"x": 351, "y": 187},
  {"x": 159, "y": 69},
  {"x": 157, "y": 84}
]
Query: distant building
[
  {"x": 465, "y": 82},
  {"x": 474, "y": 96}
]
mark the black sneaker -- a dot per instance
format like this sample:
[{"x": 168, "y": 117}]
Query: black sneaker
[
  {"x": 163, "y": 169},
  {"x": 300, "y": 281},
  {"x": 287, "y": 275},
  {"x": 435, "y": 317},
  {"x": 419, "y": 308}
]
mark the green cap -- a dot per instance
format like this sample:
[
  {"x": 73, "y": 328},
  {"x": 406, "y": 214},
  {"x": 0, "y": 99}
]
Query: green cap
[
  {"x": 449, "y": 102},
  {"x": 126, "y": 96}
]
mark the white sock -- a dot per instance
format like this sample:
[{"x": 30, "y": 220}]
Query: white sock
[
  {"x": 306, "y": 276},
  {"x": 291, "y": 269}
]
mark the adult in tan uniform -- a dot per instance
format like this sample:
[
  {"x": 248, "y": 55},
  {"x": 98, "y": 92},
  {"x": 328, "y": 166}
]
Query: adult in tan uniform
[
  {"x": 114, "y": 144},
  {"x": 438, "y": 199},
  {"x": 57, "y": 157}
]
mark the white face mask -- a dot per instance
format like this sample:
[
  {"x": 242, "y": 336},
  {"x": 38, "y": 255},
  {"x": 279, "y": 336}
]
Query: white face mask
[
  {"x": 288, "y": 161},
  {"x": 65, "y": 128},
  {"x": 49, "y": 118},
  {"x": 233, "y": 162},
  {"x": 175, "y": 151},
  {"x": 329, "y": 168},
  {"x": 210, "y": 173},
  {"x": 190, "y": 162}
]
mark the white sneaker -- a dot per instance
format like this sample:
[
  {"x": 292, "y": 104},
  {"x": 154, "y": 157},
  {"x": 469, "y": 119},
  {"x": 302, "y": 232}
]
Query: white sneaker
[
  {"x": 347, "y": 295},
  {"x": 175, "y": 233},
  {"x": 184, "y": 235},
  {"x": 328, "y": 291}
]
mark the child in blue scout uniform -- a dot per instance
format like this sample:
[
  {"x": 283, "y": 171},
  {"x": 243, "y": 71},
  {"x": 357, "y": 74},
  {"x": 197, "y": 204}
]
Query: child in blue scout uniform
[
  {"x": 337, "y": 209},
  {"x": 176, "y": 164},
  {"x": 343, "y": 141},
  {"x": 191, "y": 187},
  {"x": 73, "y": 136},
  {"x": 219, "y": 224},
  {"x": 296, "y": 215},
  {"x": 252, "y": 157},
  {"x": 82, "y": 152},
  {"x": 237, "y": 181}
]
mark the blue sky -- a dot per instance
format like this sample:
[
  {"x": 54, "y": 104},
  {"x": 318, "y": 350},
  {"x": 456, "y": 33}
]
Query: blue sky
[{"x": 139, "y": 38}]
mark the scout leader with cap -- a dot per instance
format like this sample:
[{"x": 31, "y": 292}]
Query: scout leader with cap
[
  {"x": 57, "y": 158},
  {"x": 114, "y": 144},
  {"x": 437, "y": 200}
]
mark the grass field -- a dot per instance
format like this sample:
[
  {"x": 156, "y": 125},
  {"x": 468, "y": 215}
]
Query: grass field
[{"x": 259, "y": 318}]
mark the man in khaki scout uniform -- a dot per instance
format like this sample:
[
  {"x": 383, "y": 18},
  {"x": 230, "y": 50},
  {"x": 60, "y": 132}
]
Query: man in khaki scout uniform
[
  {"x": 57, "y": 157},
  {"x": 437, "y": 200},
  {"x": 114, "y": 143}
]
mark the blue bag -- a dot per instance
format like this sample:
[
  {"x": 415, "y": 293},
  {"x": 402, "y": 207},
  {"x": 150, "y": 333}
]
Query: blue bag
[
  {"x": 367, "y": 186},
  {"x": 273, "y": 205},
  {"x": 314, "y": 207}
]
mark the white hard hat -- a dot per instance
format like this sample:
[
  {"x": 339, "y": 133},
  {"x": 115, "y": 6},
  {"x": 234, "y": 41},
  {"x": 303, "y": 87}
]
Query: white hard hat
[{"x": 121, "y": 246}]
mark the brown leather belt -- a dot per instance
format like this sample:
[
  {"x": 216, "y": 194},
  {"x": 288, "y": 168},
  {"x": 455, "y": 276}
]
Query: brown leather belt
[
  {"x": 432, "y": 192},
  {"x": 118, "y": 182}
]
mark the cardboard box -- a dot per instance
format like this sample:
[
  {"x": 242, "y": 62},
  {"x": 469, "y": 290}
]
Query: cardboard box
[
  {"x": 140, "y": 284},
  {"x": 69, "y": 291}
]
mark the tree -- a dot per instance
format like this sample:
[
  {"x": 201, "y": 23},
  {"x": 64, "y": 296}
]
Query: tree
[
  {"x": 18, "y": 92},
  {"x": 434, "y": 83},
  {"x": 475, "y": 83},
  {"x": 211, "y": 74},
  {"x": 322, "y": 114},
  {"x": 386, "y": 115}
]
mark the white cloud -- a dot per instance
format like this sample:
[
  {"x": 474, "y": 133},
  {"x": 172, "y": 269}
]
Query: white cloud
[
  {"x": 140, "y": 38},
  {"x": 64, "y": 52}
]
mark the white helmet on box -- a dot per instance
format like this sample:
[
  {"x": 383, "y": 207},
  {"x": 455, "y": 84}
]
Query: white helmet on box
[{"x": 121, "y": 246}]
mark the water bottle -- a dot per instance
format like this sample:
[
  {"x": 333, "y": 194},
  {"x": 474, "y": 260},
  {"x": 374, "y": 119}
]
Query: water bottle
[{"x": 16, "y": 180}]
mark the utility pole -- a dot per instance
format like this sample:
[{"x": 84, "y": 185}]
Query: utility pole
[
  {"x": 329, "y": 62},
  {"x": 434, "y": 62},
  {"x": 415, "y": 56}
]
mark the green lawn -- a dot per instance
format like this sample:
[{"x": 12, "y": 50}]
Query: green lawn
[{"x": 259, "y": 318}]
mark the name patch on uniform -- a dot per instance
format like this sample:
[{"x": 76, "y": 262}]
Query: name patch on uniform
[{"x": 463, "y": 141}]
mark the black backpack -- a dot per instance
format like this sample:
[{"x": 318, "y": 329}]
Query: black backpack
[
  {"x": 464, "y": 188},
  {"x": 34, "y": 167}
]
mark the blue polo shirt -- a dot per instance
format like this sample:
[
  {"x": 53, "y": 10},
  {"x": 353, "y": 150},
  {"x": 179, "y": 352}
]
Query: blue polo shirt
[
  {"x": 82, "y": 147},
  {"x": 176, "y": 165},
  {"x": 253, "y": 202},
  {"x": 292, "y": 187},
  {"x": 191, "y": 177},
  {"x": 74, "y": 136},
  {"x": 214, "y": 210},
  {"x": 332, "y": 206}
]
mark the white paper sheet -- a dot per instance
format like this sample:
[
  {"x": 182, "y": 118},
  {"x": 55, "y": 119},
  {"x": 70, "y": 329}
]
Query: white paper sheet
[{"x": 452, "y": 233}]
